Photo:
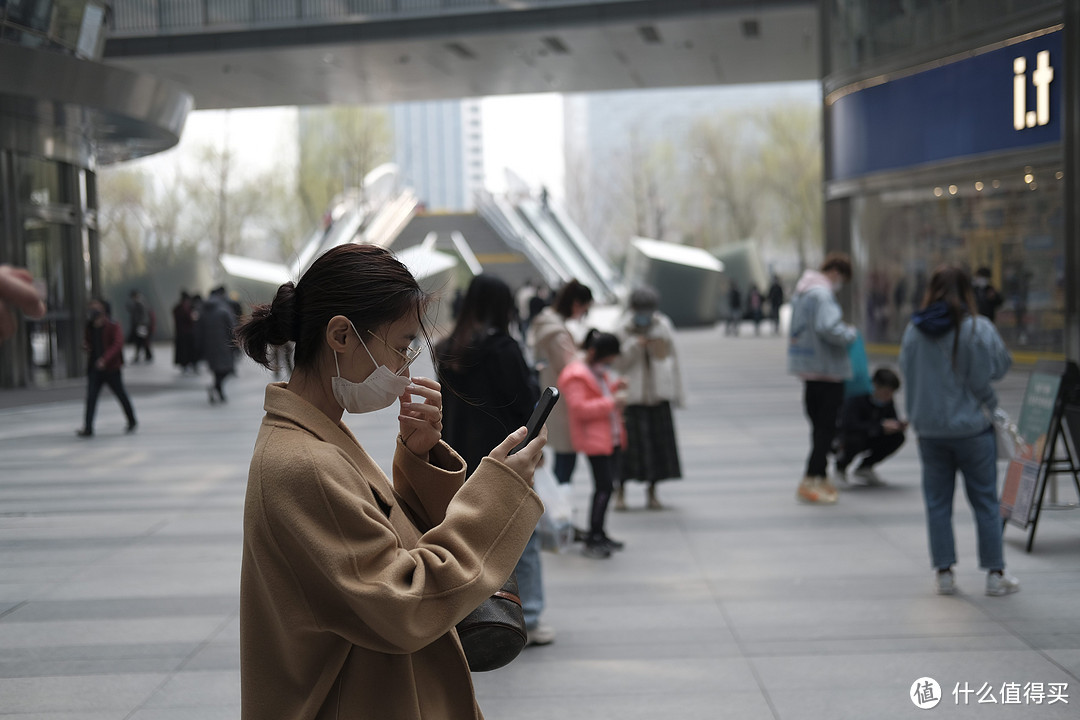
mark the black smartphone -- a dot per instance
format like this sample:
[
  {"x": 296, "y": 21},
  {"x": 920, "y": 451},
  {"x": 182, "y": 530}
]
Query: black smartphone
[{"x": 547, "y": 401}]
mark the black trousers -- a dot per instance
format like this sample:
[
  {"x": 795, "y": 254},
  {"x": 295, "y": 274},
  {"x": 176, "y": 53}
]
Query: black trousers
[
  {"x": 95, "y": 379},
  {"x": 605, "y": 468},
  {"x": 823, "y": 401},
  {"x": 880, "y": 447}
]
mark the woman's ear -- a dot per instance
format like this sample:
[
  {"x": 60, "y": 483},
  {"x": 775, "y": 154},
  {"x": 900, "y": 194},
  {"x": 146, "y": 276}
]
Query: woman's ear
[{"x": 337, "y": 333}]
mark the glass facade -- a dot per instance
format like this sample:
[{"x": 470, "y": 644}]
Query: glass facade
[
  {"x": 945, "y": 144},
  {"x": 53, "y": 218},
  {"x": 73, "y": 26},
  {"x": 870, "y": 32},
  {"x": 1010, "y": 220}
]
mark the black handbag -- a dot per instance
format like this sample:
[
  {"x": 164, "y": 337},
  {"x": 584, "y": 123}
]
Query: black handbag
[{"x": 494, "y": 634}]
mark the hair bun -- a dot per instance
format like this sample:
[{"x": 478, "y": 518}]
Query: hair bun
[{"x": 281, "y": 316}]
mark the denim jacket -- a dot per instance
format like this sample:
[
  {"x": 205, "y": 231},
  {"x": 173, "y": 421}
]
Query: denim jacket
[
  {"x": 819, "y": 337},
  {"x": 944, "y": 400}
]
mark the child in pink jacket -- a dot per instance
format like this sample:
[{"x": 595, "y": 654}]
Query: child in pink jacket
[{"x": 594, "y": 405}]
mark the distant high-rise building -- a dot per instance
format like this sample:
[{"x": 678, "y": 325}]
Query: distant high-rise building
[{"x": 439, "y": 150}]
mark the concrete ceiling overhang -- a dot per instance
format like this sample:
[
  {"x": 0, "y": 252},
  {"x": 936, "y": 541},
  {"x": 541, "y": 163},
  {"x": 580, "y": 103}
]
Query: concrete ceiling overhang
[{"x": 575, "y": 48}]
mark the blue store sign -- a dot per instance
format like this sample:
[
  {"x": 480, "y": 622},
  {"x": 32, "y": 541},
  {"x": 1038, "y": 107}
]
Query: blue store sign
[{"x": 1005, "y": 99}]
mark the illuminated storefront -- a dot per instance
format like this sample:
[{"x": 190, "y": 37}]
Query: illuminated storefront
[{"x": 948, "y": 146}]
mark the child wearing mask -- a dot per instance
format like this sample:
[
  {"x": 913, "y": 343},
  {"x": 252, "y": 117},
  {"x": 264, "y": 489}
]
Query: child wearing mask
[{"x": 594, "y": 402}]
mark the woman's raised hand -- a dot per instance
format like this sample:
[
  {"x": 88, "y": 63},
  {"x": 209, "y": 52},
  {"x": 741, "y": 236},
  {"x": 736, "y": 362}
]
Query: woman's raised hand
[
  {"x": 525, "y": 461},
  {"x": 421, "y": 422}
]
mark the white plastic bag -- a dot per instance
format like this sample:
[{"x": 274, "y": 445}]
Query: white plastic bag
[
  {"x": 1007, "y": 436},
  {"x": 555, "y": 528}
]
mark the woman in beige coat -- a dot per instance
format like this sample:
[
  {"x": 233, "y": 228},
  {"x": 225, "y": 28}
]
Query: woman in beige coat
[
  {"x": 351, "y": 585},
  {"x": 553, "y": 348}
]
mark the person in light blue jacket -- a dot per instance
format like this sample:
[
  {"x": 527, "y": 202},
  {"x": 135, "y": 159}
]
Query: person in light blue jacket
[
  {"x": 949, "y": 356},
  {"x": 818, "y": 353}
]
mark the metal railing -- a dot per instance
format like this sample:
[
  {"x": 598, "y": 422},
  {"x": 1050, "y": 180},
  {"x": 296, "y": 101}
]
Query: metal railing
[{"x": 132, "y": 18}]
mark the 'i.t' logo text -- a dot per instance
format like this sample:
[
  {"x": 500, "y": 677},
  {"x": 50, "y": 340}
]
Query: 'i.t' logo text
[{"x": 1022, "y": 117}]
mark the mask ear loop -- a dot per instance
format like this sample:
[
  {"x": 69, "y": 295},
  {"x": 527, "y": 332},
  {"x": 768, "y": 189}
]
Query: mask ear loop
[{"x": 362, "y": 344}]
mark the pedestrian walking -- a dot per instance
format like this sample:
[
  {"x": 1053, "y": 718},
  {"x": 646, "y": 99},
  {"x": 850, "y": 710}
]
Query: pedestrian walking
[
  {"x": 552, "y": 348},
  {"x": 595, "y": 401},
  {"x": 350, "y": 586},
  {"x": 776, "y": 301},
  {"x": 950, "y": 355},
  {"x": 818, "y": 354},
  {"x": 488, "y": 392},
  {"x": 756, "y": 303},
  {"x": 217, "y": 320},
  {"x": 735, "y": 313},
  {"x": 650, "y": 365},
  {"x": 104, "y": 345},
  {"x": 141, "y": 327}
]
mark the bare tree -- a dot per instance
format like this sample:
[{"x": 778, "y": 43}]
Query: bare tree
[
  {"x": 339, "y": 146},
  {"x": 791, "y": 173}
]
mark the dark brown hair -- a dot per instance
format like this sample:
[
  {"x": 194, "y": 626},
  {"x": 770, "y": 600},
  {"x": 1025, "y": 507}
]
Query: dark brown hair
[
  {"x": 951, "y": 285},
  {"x": 488, "y": 306},
  {"x": 838, "y": 261},
  {"x": 364, "y": 283},
  {"x": 573, "y": 291},
  {"x": 603, "y": 345}
]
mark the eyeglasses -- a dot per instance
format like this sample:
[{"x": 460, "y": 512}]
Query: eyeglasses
[{"x": 410, "y": 354}]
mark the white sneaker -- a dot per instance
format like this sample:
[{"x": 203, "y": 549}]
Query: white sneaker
[
  {"x": 1002, "y": 583},
  {"x": 946, "y": 583},
  {"x": 868, "y": 476},
  {"x": 540, "y": 635},
  {"x": 815, "y": 491}
]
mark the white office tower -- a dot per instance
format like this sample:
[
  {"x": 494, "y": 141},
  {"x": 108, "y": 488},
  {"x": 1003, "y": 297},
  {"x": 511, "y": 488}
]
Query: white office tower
[{"x": 438, "y": 146}]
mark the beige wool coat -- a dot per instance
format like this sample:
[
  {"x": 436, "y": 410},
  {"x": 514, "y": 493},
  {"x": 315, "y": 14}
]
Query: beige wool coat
[
  {"x": 351, "y": 587},
  {"x": 553, "y": 348}
]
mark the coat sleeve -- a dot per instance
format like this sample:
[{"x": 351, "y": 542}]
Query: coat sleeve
[
  {"x": 114, "y": 344},
  {"x": 987, "y": 360},
  {"x": 830, "y": 326},
  {"x": 358, "y": 579}
]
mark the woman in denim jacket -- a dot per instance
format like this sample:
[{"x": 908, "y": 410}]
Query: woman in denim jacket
[{"x": 949, "y": 356}]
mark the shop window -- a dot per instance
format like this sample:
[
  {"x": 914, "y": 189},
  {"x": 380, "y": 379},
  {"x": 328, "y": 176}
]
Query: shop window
[{"x": 1010, "y": 222}]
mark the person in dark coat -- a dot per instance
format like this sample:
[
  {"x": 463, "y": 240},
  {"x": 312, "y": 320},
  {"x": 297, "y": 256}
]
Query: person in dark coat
[
  {"x": 104, "y": 344},
  {"x": 776, "y": 301},
  {"x": 869, "y": 424},
  {"x": 734, "y": 310},
  {"x": 987, "y": 298},
  {"x": 142, "y": 326},
  {"x": 217, "y": 319},
  {"x": 184, "y": 327},
  {"x": 488, "y": 392}
]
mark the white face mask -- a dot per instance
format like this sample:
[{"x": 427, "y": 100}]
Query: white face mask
[
  {"x": 378, "y": 390},
  {"x": 838, "y": 286}
]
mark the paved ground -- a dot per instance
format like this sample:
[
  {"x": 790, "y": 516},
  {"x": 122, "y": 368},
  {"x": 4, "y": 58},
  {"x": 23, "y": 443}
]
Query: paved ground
[{"x": 119, "y": 566}]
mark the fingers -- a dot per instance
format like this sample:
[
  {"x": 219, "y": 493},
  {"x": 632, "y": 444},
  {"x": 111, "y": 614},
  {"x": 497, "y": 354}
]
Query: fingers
[
  {"x": 17, "y": 285},
  {"x": 503, "y": 449},
  {"x": 426, "y": 387}
]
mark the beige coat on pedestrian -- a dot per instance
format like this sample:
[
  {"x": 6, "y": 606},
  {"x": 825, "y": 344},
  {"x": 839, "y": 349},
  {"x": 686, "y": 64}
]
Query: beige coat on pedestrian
[
  {"x": 649, "y": 363},
  {"x": 350, "y": 587},
  {"x": 553, "y": 349}
]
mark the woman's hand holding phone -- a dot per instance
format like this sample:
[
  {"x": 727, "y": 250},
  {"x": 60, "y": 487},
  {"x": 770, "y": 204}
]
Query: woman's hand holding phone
[{"x": 525, "y": 461}]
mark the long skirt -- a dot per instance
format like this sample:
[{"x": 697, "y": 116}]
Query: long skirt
[{"x": 650, "y": 454}]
